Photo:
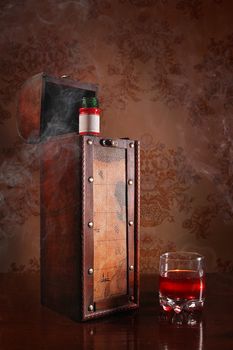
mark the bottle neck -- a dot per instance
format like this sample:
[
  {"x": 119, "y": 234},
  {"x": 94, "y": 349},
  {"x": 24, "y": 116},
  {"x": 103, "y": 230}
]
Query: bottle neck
[{"x": 89, "y": 117}]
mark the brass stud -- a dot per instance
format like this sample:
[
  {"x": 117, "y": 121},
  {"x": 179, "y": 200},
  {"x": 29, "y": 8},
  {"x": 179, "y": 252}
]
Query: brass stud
[
  {"x": 114, "y": 143},
  {"x": 90, "y": 307},
  {"x": 90, "y": 224},
  {"x": 131, "y": 145},
  {"x": 90, "y": 179},
  {"x": 130, "y": 223},
  {"x": 131, "y": 267},
  {"x": 130, "y": 182},
  {"x": 131, "y": 298},
  {"x": 90, "y": 271},
  {"x": 89, "y": 142}
]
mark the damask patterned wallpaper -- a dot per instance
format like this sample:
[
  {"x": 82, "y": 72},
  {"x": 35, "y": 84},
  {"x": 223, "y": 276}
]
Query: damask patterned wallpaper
[{"x": 164, "y": 68}]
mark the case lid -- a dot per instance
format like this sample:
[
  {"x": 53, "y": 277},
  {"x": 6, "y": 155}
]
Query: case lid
[{"x": 48, "y": 106}]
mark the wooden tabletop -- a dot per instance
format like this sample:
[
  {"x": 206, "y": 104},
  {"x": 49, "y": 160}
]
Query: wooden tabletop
[{"x": 25, "y": 324}]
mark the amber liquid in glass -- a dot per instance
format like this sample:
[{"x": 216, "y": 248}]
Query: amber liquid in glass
[{"x": 181, "y": 286}]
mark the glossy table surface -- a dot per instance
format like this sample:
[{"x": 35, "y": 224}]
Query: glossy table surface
[{"x": 25, "y": 324}]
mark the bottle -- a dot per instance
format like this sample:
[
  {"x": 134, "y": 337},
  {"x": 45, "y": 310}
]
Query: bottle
[{"x": 89, "y": 116}]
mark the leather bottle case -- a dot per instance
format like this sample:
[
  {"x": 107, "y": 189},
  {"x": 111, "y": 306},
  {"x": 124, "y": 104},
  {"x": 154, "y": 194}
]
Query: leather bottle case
[
  {"x": 89, "y": 210},
  {"x": 89, "y": 225}
]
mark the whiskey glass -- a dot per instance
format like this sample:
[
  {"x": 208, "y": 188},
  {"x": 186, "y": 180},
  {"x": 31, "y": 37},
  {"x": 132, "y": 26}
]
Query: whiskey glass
[{"x": 181, "y": 281}]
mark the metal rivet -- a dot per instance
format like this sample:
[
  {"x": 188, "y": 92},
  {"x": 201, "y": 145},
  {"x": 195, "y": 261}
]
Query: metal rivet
[
  {"x": 131, "y": 145},
  {"x": 90, "y": 224},
  {"x": 90, "y": 307},
  {"x": 114, "y": 143},
  {"x": 131, "y": 298},
  {"x": 131, "y": 267},
  {"x": 130, "y": 223},
  {"x": 130, "y": 182},
  {"x": 90, "y": 179},
  {"x": 89, "y": 142},
  {"x": 90, "y": 271}
]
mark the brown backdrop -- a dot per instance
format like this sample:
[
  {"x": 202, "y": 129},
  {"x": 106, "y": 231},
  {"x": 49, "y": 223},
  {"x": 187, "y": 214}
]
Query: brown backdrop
[{"x": 164, "y": 68}]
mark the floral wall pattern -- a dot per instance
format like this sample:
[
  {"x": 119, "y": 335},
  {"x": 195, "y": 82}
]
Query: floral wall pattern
[{"x": 164, "y": 69}]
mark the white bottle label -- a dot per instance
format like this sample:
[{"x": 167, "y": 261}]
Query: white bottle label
[{"x": 89, "y": 123}]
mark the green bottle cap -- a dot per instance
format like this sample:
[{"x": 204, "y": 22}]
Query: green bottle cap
[{"x": 90, "y": 102}]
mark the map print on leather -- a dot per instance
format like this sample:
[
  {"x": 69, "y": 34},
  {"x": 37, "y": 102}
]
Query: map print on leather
[{"x": 110, "y": 246}]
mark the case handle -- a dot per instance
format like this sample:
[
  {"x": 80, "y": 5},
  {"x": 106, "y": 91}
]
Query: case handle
[{"x": 108, "y": 143}]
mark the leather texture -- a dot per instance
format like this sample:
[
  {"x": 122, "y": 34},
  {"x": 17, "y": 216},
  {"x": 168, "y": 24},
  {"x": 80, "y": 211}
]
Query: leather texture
[{"x": 70, "y": 246}]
